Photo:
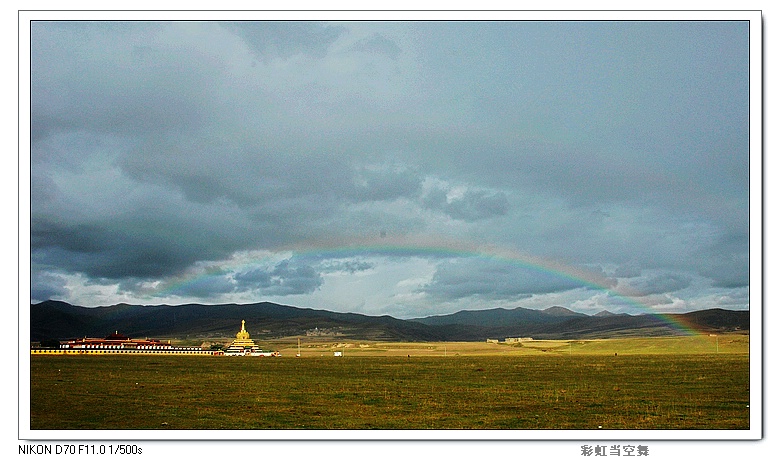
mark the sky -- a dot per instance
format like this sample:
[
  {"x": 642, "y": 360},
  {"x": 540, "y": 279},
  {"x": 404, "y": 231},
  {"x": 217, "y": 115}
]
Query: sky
[{"x": 406, "y": 168}]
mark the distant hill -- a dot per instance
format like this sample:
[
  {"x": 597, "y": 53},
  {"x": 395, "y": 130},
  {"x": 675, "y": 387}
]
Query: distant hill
[
  {"x": 561, "y": 311},
  {"x": 53, "y": 319},
  {"x": 265, "y": 320},
  {"x": 496, "y": 317}
]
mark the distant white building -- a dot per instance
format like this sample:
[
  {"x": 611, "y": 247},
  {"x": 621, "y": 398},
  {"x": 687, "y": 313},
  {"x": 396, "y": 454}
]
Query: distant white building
[{"x": 518, "y": 339}]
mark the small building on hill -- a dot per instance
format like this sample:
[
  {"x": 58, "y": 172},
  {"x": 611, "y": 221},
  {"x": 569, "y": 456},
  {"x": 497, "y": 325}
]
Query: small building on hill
[{"x": 518, "y": 339}]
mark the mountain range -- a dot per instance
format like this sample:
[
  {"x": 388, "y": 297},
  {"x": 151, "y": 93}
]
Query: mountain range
[{"x": 59, "y": 320}]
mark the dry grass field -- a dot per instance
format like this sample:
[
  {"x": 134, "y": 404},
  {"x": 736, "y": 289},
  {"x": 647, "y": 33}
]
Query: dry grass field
[
  {"x": 697, "y": 344},
  {"x": 659, "y": 383}
]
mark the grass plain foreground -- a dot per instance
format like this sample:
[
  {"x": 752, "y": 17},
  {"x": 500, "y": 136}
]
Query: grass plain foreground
[{"x": 681, "y": 383}]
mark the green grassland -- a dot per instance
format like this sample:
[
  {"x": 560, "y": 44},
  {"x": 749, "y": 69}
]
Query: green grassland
[{"x": 660, "y": 383}]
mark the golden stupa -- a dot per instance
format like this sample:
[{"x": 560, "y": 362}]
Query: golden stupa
[{"x": 245, "y": 346}]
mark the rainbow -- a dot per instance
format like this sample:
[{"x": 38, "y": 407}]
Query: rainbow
[{"x": 440, "y": 250}]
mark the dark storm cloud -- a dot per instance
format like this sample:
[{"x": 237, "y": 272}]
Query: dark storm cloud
[
  {"x": 285, "y": 278},
  {"x": 489, "y": 279},
  {"x": 208, "y": 286},
  {"x": 119, "y": 252},
  {"x": 283, "y": 39},
  {"x": 650, "y": 129},
  {"x": 471, "y": 206},
  {"x": 206, "y": 169},
  {"x": 160, "y": 147},
  {"x": 45, "y": 286},
  {"x": 587, "y": 176},
  {"x": 108, "y": 80},
  {"x": 725, "y": 261},
  {"x": 658, "y": 284},
  {"x": 629, "y": 269},
  {"x": 378, "y": 43},
  {"x": 145, "y": 233},
  {"x": 385, "y": 183}
]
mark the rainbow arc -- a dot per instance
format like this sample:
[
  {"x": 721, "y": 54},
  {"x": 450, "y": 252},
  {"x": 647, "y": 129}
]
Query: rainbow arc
[{"x": 584, "y": 277}]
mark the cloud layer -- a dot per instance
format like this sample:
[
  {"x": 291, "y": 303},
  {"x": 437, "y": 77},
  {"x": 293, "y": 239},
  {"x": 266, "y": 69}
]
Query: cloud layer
[{"x": 361, "y": 166}]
